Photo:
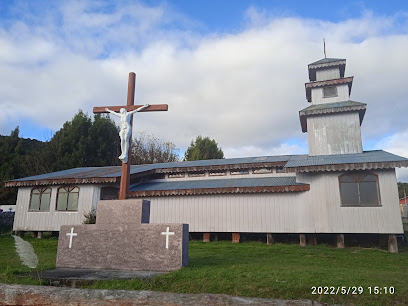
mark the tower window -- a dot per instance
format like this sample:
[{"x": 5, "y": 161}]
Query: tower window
[
  {"x": 359, "y": 189},
  {"x": 329, "y": 91}
]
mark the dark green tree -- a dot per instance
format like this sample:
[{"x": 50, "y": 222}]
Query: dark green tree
[
  {"x": 17, "y": 159},
  {"x": 82, "y": 142},
  {"x": 203, "y": 148}
]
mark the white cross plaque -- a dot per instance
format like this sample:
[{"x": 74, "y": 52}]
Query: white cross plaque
[
  {"x": 71, "y": 234},
  {"x": 167, "y": 233}
]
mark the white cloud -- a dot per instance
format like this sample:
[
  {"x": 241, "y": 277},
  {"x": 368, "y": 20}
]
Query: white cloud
[
  {"x": 397, "y": 144},
  {"x": 243, "y": 89}
]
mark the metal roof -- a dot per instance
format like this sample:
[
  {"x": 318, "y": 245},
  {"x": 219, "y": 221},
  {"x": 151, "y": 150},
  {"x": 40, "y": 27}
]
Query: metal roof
[
  {"x": 327, "y": 108},
  {"x": 293, "y": 162},
  {"x": 324, "y": 63},
  {"x": 327, "y": 60},
  {"x": 367, "y": 160},
  {"x": 218, "y": 186}
]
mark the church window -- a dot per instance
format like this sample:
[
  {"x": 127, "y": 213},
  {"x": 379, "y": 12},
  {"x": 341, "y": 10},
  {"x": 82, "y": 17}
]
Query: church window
[
  {"x": 40, "y": 199},
  {"x": 329, "y": 91},
  {"x": 176, "y": 175},
  {"x": 262, "y": 170},
  {"x": 109, "y": 193},
  {"x": 196, "y": 174},
  {"x": 359, "y": 189},
  {"x": 280, "y": 170},
  {"x": 216, "y": 173},
  {"x": 239, "y": 172},
  {"x": 67, "y": 198}
]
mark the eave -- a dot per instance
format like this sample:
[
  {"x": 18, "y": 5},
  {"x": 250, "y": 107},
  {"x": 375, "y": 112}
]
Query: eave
[
  {"x": 349, "y": 167},
  {"x": 66, "y": 181},
  {"x": 227, "y": 190}
]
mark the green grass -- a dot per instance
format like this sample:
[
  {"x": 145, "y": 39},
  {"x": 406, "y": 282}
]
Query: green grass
[{"x": 253, "y": 269}]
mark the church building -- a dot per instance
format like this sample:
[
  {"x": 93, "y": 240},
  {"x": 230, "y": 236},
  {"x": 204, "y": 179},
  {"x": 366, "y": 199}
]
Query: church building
[{"x": 336, "y": 189}]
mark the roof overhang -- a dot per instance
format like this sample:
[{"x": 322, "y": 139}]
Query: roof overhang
[
  {"x": 309, "y": 86},
  {"x": 331, "y": 108},
  {"x": 225, "y": 190},
  {"x": 65, "y": 181},
  {"x": 349, "y": 167}
]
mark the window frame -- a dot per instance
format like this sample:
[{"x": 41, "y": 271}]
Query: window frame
[
  {"x": 361, "y": 175},
  {"x": 69, "y": 191},
  {"x": 336, "y": 94},
  {"x": 42, "y": 191}
]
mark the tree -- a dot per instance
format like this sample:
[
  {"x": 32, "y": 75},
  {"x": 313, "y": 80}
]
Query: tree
[
  {"x": 147, "y": 149},
  {"x": 203, "y": 148},
  {"x": 83, "y": 143}
]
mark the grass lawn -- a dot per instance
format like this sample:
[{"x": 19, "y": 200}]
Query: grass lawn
[{"x": 252, "y": 269}]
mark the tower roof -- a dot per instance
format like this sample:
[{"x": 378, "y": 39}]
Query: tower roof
[{"x": 324, "y": 63}]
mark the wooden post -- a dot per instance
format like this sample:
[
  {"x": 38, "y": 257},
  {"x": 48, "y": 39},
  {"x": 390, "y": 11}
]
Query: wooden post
[
  {"x": 235, "y": 237},
  {"x": 392, "y": 243},
  {"x": 206, "y": 237},
  {"x": 302, "y": 240},
  {"x": 383, "y": 240},
  {"x": 270, "y": 238},
  {"x": 313, "y": 239},
  {"x": 39, "y": 235},
  {"x": 340, "y": 241},
  {"x": 125, "y": 173}
]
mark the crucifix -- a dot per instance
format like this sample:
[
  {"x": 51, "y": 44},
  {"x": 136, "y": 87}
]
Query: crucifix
[{"x": 125, "y": 113}]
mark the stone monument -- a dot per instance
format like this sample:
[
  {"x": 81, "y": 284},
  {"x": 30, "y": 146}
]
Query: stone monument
[{"x": 123, "y": 239}]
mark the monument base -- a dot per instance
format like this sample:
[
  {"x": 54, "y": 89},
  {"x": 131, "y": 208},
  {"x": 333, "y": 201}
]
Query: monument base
[{"x": 120, "y": 241}]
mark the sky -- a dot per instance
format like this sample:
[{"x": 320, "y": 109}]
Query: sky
[{"x": 231, "y": 70}]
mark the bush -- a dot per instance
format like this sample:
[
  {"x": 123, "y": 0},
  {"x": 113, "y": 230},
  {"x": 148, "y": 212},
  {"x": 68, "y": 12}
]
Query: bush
[{"x": 90, "y": 217}]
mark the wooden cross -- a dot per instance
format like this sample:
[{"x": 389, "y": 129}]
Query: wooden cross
[{"x": 125, "y": 173}]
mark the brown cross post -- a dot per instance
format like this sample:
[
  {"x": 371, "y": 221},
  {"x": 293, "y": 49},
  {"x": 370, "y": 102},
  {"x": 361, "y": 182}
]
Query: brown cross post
[{"x": 125, "y": 174}]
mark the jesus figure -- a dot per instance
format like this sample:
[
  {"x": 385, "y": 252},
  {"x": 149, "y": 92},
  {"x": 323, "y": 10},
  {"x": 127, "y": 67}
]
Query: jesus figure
[{"x": 125, "y": 129}]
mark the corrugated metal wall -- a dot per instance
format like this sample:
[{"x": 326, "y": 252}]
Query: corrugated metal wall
[
  {"x": 51, "y": 221},
  {"x": 328, "y": 216},
  {"x": 318, "y": 210},
  {"x": 327, "y": 74},
  {"x": 334, "y": 134}
]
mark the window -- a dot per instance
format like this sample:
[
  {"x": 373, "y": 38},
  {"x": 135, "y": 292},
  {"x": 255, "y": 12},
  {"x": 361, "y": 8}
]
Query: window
[
  {"x": 359, "y": 189},
  {"x": 216, "y": 173},
  {"x": 67, "y": 198},
  {"x": 176, "y": 175},
  {"x": 239, "y": 172},
  {"x": 40, "y": 199},
  {"x": 329, "y": 91},
  {"x": 109, "y": 193},
  {"x": 196, "y": 174},
  {"x": 262, "y": 170},
  {"x": 280, "y": 170}
]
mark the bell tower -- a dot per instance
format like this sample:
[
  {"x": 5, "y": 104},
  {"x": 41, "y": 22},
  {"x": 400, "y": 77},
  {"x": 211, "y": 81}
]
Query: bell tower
[{"x": 333, "y": 121}]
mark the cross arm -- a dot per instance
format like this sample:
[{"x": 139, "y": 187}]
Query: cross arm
[{"x": 151, "y": 108}]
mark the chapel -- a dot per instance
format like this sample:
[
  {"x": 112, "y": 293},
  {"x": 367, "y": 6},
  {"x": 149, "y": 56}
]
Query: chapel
[{"x": 336, "y": 189}]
